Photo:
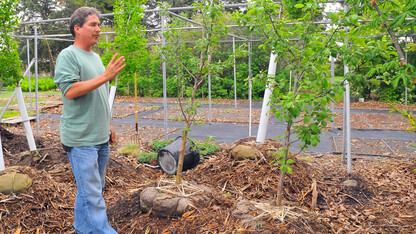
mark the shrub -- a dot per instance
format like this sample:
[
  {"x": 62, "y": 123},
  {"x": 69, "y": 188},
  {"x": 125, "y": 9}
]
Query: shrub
[{"x": 44, "y": 84}]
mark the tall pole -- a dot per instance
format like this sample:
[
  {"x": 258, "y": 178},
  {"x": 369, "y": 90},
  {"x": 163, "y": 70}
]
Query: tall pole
[
  {"x": 36, "y": 80},
  {"x": 347, "y": 129},
  {"x": 250, "y": 86},
  {"x": 346, "y": 145},
  {"x": 235, "y": 76},
  {"x": 332, "y": 82},
  {"x": 28, "y": 63},
  {"x": 405, "y": 81},
  {"x": 1, "y": 157},
  {"x": 209, "y": 94},
  {"x": 165, "y": 105}
]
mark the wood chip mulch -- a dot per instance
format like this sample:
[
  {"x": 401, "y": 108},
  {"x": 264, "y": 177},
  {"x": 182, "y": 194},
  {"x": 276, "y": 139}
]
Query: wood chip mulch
[{"x": 383, "y": 201}]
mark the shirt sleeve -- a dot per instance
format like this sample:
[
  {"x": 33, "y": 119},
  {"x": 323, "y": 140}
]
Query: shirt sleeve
[{"x": 66, "y": 71}]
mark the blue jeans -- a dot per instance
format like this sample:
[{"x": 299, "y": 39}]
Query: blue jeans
[{"x": 88, "y": 165}]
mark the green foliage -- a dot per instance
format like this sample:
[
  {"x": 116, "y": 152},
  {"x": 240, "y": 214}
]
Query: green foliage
[
  {"x": 376, "y": 59},
  {"x": 10, "y": 71},
  {"x": 281, "y": 159},
  {"x": 130, "y": 149},
  {"x": 147, "y": 157},
  {"x": 130, "y": 40},
  {"x": 158, "y": 145},
  {"x": 44, "y": 84},
  {"x": 206, "y": 148},
  {"x": 306, "y": 98},
  {"x": 406, "y": 115}
]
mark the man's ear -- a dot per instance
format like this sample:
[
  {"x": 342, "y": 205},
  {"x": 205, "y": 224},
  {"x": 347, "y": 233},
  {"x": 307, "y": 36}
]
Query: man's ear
[{"x": 76, "y": 28}]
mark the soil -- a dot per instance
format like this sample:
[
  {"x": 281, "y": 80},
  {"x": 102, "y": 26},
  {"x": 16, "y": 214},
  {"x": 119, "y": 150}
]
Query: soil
[{"x": 382, "y": 202}]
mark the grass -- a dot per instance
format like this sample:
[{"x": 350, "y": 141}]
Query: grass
[{"x": 5, "y": 97}]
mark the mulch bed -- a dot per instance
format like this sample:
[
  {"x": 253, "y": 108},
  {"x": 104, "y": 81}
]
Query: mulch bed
[{"x": 383, "y": 201}]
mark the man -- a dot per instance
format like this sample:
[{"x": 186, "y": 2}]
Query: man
[{"x": 85, "y": 126}]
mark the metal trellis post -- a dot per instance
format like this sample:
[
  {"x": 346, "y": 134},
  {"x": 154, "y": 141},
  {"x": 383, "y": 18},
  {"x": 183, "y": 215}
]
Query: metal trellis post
[
  {"x": 28, "y": 67},
  {"x": 165, "y": 106},
  {"x": 36, "y": 80}
]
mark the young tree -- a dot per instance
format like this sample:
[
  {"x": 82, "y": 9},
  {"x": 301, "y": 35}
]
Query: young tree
[
  {"x": 194, "y": 61},
  {"x": 129, "y": 40},
  {"x": 303, "y": 47}
]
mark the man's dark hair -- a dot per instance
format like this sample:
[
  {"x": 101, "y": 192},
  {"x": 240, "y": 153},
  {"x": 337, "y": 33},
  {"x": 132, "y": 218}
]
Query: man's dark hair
[{"x": 80, "y": 16}]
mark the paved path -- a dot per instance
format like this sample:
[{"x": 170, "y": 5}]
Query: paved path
[{"x": 229, "y": 132}]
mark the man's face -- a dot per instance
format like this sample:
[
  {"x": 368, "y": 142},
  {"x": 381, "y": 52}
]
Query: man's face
[{"x": 90, "y": 31}]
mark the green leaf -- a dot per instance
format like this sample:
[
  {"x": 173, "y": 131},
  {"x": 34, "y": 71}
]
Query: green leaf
[
  {"x": 295, "y": 111},
  {"x": 306, "y": 119},
  {"x": 300, "y": 5},
  {"x": 314, "y": 128}
]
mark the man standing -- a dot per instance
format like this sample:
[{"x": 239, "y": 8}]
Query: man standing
[{"x": 85, "y": 127}]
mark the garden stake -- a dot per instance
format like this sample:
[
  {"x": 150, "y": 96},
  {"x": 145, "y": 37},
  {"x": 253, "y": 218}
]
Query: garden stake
[{"x": 135, "y": 137}]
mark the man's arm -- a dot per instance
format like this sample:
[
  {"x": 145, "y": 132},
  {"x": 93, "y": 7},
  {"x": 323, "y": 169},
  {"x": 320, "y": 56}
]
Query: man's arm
[{"x": 83, "y": 87}]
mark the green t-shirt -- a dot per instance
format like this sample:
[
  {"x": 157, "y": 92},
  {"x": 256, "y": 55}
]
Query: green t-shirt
[{"x": 86, "y": 119}]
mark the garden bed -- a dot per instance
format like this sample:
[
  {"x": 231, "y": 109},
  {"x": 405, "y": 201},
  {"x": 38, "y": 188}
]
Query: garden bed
[{"x": 382, "y": 202}]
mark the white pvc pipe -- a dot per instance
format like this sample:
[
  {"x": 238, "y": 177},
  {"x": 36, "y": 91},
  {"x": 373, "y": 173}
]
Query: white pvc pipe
[
  {"x": 235, "y": 76},
  {"x": 348, "y": 125},
  {"x": 264, "y": 118},
  {"x": 332, "y": 82},
  {"x": 25, "y": 119},
  {"x": 209, "y": 93},
  {"x": 111, "y": 98},
  {"x": 405, "y": 81},
  {"x": 1, "y": 157},
  {"x": 209, "y": 97},
  {"x": 250, "y": 87}
]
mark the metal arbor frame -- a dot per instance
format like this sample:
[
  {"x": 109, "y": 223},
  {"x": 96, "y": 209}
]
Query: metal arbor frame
[
  {"x": 272, "y": 66},
  {"x": 58, "y": 37}
]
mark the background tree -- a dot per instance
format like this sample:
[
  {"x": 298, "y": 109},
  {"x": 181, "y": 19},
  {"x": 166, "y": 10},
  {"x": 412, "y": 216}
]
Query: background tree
[
  {"x": 10, "y": 66},
  {"x": 386, "y": 20},
  {"x": 129, "y": 40}
]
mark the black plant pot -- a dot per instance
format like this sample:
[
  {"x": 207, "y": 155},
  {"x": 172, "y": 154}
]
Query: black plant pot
[{"x": 168, "y": 157}]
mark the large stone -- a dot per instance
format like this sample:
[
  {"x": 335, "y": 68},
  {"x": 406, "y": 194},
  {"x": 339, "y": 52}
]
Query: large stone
[
  {"x": 166, "y": 204},
  {"x": 350, "y": 183},
  {"x": 14, "y": 182},
  {"x": 241, "y": 152}
]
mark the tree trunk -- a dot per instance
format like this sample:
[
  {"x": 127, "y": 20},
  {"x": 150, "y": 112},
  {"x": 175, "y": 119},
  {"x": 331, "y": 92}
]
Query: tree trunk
[
  {"x": 282, "y": 173},
  {"x": 182, "y": 155}
]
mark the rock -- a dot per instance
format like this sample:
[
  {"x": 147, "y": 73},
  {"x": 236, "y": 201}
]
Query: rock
[
  {"x": 241, "y": 152},
  {"x": 167, "y": 204},
  {"x": 350, "y": 183},
  {"x": 146, "y": 198},
  {"x": 14, "y": 182}
]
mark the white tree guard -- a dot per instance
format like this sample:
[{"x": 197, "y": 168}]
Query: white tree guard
[{"x": 264, "y": 118}]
